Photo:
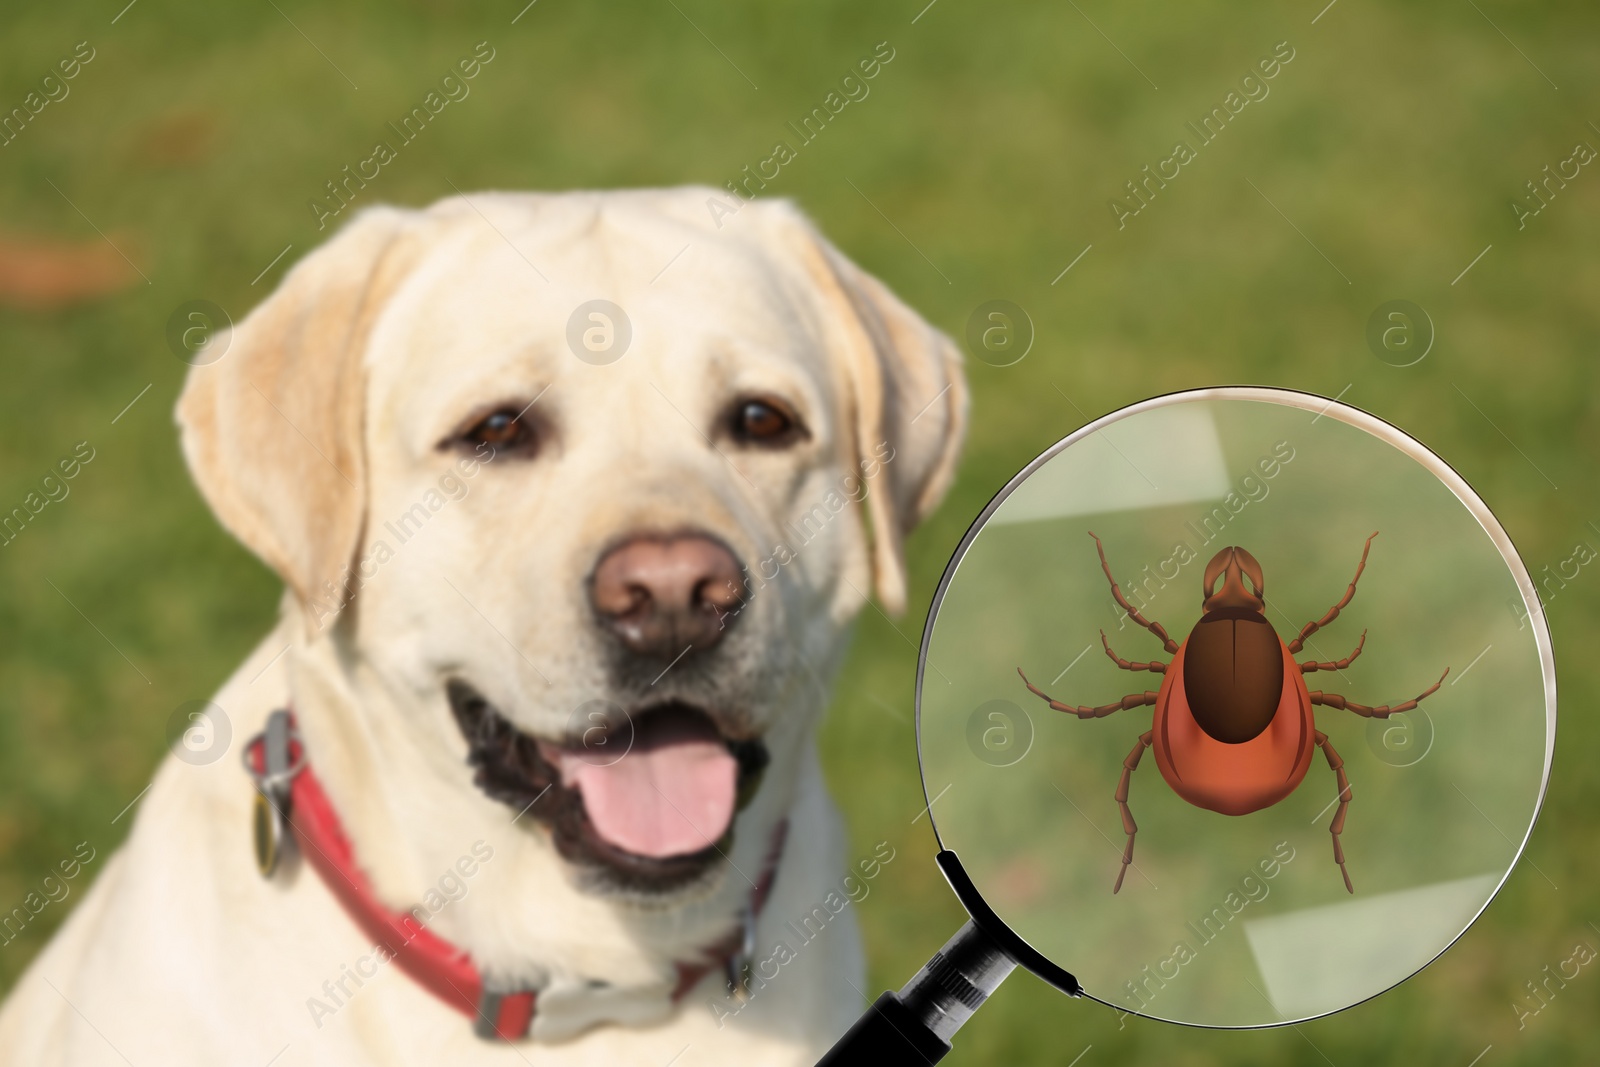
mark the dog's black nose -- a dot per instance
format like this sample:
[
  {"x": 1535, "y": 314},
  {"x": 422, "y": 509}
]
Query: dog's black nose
[{"x": 661, "y": 595}]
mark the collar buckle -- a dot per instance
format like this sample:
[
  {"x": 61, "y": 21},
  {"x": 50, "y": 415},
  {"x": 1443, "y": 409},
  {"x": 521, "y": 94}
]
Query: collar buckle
[
  {"x": 273, "y": 758},
  {"x": 504, "y": 1014}
]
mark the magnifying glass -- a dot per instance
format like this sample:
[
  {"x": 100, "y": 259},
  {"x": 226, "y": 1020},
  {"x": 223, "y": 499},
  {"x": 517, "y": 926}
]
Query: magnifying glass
[{"x": 1235, "y": 708}]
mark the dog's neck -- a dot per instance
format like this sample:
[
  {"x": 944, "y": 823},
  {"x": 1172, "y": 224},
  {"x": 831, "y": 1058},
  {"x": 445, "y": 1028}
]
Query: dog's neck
[{"x": 395, "y": 771}]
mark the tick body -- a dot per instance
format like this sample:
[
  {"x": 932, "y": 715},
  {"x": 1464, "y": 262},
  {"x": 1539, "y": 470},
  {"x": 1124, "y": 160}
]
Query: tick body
[{"x": 1234, "y": 729}]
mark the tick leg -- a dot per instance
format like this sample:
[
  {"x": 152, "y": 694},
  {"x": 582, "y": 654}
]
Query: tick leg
[
  {"x": 1337, "y": 826},
  {"x": 1382, "y": 711},
  {"x": 1337, "y": 665},
  {"x": 1132, "y": 700},
  {"x": 1129, "y": 827},
  {"x": 1333, "y": 612},
  {"x": 1153, "y": 666},
  {"x": 1133, "y": 612}
]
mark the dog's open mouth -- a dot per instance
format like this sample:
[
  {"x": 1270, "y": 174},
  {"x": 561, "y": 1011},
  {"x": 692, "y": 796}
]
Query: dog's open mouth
[{"x": 645, "y": 800}]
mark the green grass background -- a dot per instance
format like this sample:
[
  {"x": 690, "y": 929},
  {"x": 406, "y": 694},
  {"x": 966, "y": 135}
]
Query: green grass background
[{"x": 1395, "y": 141}]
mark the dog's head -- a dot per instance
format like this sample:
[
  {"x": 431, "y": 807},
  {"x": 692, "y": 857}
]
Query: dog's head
[{"x": 589, "y": 485}]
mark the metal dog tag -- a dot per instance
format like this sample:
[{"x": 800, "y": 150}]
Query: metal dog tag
[
  {"x": 267, "y": 822},
  {"x": 269, "y": 814}
]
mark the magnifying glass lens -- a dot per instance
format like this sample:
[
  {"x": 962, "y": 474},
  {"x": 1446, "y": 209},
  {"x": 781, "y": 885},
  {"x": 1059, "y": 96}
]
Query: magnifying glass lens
[{"x": 1238, "y": 705}]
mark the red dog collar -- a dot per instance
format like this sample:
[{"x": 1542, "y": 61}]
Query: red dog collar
[{"x": 291, "y": 806}]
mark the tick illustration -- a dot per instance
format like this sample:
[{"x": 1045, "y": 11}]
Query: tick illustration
[{"x": 1233, "y": 729}]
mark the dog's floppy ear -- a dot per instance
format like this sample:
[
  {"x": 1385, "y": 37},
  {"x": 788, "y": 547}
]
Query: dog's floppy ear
[
  {"x": 906, "y": 399},
  {"x": 272, "y": 429}
]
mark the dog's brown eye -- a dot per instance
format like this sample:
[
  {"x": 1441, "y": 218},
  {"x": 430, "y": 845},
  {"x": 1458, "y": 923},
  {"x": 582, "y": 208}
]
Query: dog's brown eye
[
  {"x": 503, "y": 429},
  {"x": 763, "y": 422}
]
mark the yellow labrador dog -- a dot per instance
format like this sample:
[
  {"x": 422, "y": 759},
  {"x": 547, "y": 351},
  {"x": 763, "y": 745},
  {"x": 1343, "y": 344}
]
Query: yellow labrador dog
[{"x": 575, "y": 497}]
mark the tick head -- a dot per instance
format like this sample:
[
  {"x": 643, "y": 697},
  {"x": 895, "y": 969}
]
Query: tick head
[{"x": 1233, "y": 580}]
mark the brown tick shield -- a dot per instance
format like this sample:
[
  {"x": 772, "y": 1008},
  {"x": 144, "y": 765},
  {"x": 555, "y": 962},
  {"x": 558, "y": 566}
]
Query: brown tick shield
[{"x": 1233, "y": 674}]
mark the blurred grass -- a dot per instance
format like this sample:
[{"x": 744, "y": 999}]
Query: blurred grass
[{"x": 1394, "y": 140}]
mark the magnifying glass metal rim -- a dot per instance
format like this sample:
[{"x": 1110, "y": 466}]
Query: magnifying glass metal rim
[{"x": 1039, "y": 963}]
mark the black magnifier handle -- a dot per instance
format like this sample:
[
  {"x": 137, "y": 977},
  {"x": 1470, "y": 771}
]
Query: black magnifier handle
[{"x": 915, "y": 1025}]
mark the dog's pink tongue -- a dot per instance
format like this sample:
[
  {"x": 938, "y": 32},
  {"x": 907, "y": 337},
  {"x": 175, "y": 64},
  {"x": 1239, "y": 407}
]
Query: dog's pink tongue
[{"x": 671, "y": 797}]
